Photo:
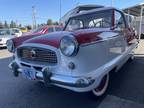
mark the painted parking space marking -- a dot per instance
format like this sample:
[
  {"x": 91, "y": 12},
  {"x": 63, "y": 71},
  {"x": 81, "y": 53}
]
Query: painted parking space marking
[
  {"x": 116, "y": 102},
  {"x": 4, "y": 54}
]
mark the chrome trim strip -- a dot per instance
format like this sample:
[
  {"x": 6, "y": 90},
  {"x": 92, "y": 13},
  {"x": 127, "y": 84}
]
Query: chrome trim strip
[
  {"x": 62, "y": 80},
  {"x": 95, "y": 42}
]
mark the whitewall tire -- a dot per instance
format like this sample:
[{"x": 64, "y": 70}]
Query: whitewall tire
[
  {"x": 102, "y": 87},
  {"x": 132, "y": 57}
]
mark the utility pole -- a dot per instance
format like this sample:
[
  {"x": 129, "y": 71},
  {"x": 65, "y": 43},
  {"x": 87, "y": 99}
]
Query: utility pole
[
  {"x": 60, "y": 12},
  {"x": 16, "y": 23},
  {"x": 112, "y": 3},
  {"x": 77, "y": 4},
  {"x": 34, "y": 17}
]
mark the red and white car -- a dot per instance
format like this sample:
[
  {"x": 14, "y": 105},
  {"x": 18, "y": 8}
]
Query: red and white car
[
  {"x": 80, "y": 58},
  {"x": 34, "y": 33}
]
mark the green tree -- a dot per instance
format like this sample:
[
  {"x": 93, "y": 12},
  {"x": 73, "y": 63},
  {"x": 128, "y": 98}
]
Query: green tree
[
  {"x": 49, "y": 22},
  {"x": 20, "y": 25},
  {"x": 6, "y": 24},
  {"x": 12, "y": 24},
  {"x": 29, "y": 27},
  {"x": 1, "y": 25},
  {"x": 56, "y": 23}
]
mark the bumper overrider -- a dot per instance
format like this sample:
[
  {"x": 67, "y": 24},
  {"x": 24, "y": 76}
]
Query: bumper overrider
[{"x": 78, "y": 84}]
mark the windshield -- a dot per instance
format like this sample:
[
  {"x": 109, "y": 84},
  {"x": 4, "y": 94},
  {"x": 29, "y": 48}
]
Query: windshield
[
  {"x": 37, "y": 30},
  {"x": 101, "y": 19},
  {"x": 4, "y": 32},
  {"x": 15, "y": 30}
]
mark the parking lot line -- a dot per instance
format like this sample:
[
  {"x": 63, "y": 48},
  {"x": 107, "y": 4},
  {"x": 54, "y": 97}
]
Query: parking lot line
[
  {"x": 139, "y": 51},
  {"x": 116, "y": 102},
  {"x": 4, "y": 54}
]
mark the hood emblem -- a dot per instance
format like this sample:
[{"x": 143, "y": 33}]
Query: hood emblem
[{"x": 33, "y": 54}]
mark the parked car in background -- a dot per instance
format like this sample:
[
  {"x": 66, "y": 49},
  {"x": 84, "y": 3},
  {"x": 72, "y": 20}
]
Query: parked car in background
[
  {"x": 78, "y": 9},
  {"x": 34, "y": 33},
  {"x": 93, "y": 44},
  {"x": 24, "y": 29},
  {"x": 17, "y": 32},
  {"x": 6, "y": 34}
]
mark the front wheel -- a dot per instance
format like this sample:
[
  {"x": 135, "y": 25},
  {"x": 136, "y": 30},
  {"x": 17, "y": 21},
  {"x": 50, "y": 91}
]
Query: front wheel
[
  {"x": 102, "y": 87},
  {"x": 131, "y": 58}
]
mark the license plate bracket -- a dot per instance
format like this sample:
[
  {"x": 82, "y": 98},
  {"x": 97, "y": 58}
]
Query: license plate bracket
[{"x": 29, "y": 73}]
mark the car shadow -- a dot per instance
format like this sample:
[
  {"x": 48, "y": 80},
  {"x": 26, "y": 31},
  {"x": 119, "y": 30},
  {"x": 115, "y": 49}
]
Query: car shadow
[
  {"x": 18, "y": 92},
  {"x": 128, "y": 82},
  {"x": 2, "y": 48}
]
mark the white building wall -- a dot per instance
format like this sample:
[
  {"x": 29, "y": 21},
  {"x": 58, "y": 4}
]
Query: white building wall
[{"x": 136, "y": 24}]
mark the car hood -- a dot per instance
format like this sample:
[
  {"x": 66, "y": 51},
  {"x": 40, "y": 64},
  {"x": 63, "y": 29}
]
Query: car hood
[
  {"x": 82, "y": 36},
  {"x": 19, "y": 40},
  {"x": 6, "y": 36},
  {"x": 52, "y": 39}
]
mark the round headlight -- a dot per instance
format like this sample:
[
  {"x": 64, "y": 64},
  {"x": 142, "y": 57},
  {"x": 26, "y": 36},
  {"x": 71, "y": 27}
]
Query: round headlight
[
  {"x": 69, "y": 46},
  {"x": 10, "y": 45}
]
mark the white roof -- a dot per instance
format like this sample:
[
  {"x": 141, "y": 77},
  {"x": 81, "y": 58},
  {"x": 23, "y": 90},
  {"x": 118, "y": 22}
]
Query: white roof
[
  {"x": 134, "y": 10},
  {"x": 93, "y": 10}
]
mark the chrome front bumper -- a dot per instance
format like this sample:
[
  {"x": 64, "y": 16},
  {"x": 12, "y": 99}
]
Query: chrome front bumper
[
  {"x": 2, "y": 45},
  {"x": 53, "y": 79}
]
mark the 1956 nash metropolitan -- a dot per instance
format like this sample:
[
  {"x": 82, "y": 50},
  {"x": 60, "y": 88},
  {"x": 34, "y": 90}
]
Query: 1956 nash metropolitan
[{"x": 80, "y": 58}]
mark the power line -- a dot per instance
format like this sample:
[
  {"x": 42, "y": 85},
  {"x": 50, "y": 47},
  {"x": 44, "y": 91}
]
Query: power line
[
  {"x": 34, "y": 16},
  {"x": 60, "y": 10},
  {"x": 112, "y": 3}
]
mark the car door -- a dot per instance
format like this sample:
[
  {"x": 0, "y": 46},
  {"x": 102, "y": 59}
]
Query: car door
[
  {"x": 116, "y": 43},
  {"x": 121, "y": 27},
  {"x": 126, "y": 31}
]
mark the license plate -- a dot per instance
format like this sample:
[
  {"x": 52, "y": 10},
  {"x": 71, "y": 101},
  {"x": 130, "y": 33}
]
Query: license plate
[{"x": 29, "y": 73}]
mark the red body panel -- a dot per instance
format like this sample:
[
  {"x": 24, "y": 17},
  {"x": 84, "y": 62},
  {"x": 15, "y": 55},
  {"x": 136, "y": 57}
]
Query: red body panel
[
  {"x": 19, "y": 40},
  {"x": 82, "y": 36},
  {"x": 87, "y": 36},
  {"x": 49, "y": 39}
]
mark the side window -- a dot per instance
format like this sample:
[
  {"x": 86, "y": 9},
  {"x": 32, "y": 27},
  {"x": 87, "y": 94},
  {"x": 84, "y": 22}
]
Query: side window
[
  {"x": 74, "y": 24},
  {"x": 15, "y": 31},
  {"x": 119, "y": 20},
  {"x": 50, "y": 29},
  {"x": 100, "y": 21},
  {"x": 95, "y": 23},
  {"x": 58, "y": 28}
]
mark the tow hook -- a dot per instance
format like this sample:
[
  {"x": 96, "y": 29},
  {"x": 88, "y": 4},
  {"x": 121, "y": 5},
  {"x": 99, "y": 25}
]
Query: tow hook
[
  {"x": 15, "y": 69},
  {"x": 46, "y": 76}
]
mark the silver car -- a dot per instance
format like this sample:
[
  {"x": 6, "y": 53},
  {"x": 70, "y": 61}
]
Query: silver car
[{"x": 6, "y": 34}]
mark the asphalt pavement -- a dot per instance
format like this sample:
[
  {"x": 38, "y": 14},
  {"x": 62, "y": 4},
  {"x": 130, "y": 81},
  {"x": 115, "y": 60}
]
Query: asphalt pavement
[{"x": 126, "y": 89}]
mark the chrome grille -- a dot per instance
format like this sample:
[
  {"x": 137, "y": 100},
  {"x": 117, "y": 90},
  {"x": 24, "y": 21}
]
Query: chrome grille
[{"x": 37, "y": 55}]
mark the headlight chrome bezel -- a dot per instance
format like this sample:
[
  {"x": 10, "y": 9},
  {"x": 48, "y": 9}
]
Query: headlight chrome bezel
[{"x": 73, "y": 41}]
